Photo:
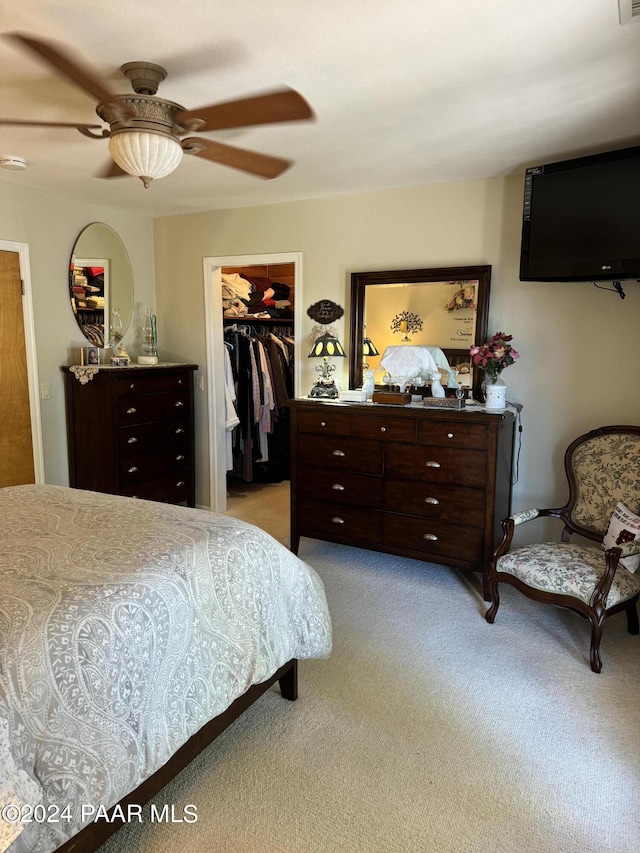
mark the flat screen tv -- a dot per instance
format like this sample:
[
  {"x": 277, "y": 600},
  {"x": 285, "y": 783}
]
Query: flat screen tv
[{"x": 581, "y": 219}]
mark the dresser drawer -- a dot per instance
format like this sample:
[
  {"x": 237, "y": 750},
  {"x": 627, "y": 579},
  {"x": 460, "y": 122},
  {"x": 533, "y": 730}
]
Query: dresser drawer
[
  {"x": 143, "y": 437},
  {"x": 323, "y": 521},
  {"x": 339, "y": 487},
  {"x": 145, "y": 466},
  {"x": 151, "y": 407},
  {"x": 434, "y": 500},
  {"x": 155, "y": 384},
  {"x": 332, "y": 423},
  {"x": 346, "y": 454},
  {"x": 133, "y": 417},
  {"x": 436, "y": 464},
  {"x": 173, "y": 489},
  {"x": 385, "y": 428},
  {"x": 433, "y": 538},
  {"x": 454, "y": 434}
]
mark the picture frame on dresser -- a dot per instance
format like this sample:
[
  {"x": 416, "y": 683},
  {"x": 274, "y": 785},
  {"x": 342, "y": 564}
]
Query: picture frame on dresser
[{"x": 90, "y": 355}]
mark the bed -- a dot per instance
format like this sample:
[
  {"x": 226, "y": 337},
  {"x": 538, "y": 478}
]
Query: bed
[{"x": 131, "y": 634}]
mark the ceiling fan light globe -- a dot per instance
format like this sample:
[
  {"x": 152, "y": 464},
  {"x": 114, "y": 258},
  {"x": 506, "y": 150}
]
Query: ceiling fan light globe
[{"x": 145, "y": 155}]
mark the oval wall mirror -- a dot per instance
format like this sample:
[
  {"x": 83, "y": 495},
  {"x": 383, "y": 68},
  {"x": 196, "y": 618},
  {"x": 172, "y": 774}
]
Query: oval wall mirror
[
  {"x": 101, "y": 285},
  {"x": 445, "y": 310}
]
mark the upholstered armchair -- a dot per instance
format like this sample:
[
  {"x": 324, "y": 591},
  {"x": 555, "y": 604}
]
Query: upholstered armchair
[{"x": 593, "y": 580}]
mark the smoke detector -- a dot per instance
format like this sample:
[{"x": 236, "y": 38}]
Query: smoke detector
[
  {"x": 16, "y": 164},
  {"x": 629, "y": 10}
]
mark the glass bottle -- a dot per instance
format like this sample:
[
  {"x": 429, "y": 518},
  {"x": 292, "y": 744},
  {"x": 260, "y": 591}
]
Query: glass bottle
[
  {"x": 116, "y": 331},
  {"x": 149, "y": 341}
]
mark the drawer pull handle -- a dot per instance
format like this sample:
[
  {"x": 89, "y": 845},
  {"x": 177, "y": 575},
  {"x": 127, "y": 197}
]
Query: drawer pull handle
[
  {"x": 179, "y": 457},
  {"x": 132, "y": 386},
  {"x": 337, "y": 520},
  {"x": 433, "y": 501},
  {"x": 133, "y": 469},
  {"x": 449, "y": 435},
  {"x": 323, "y": 423},
  {"x": 432, "y": 464},
  {"x": 179, "y": 403},
  {"x": 180, "y": 483},
  {"x": 339, "y": 453},
  {"x": 337, "y": 487},
  {"x": 179, "y": 431},
  {"x": 179, "y": 381},
  {"x": 131, "y": 410},
  {"x": 132, "y": 440},
  {"x": 430, "y": 536},
  {"x": 383, "y": 429}
]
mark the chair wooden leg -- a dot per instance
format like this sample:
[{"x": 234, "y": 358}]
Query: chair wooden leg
[
  {"x": 596, "y": 636},
  {"x": 632, "y": 618},
  {"x": 494, "y": 593}
]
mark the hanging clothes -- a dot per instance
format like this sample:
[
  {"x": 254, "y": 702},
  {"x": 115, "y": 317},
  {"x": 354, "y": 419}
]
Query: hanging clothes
[
  {"x": 231, "y": 420},
  {"x": 261, "y": 364}
]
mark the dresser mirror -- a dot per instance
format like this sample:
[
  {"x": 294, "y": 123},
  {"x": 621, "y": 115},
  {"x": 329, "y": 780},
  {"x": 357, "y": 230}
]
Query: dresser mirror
[
  {"x": 101, "y": 285},
  {"x": 445, "y": 310}
]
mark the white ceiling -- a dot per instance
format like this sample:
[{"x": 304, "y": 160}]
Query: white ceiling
[{"x": 406, "y": 93}]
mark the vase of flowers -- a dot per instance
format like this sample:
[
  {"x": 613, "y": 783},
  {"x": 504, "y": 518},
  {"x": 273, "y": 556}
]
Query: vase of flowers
[{"x": 493, "y": 357}]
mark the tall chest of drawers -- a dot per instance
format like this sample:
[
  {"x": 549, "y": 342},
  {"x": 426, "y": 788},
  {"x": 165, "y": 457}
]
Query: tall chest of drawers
[
  {"x": 431, "y": 484},
  {"x": 130, "y": 431}
]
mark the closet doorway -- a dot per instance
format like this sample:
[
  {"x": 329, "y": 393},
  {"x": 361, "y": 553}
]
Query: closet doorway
[
  {"x": 20, "y": 433},
  {"x": 215, "y": 346}
]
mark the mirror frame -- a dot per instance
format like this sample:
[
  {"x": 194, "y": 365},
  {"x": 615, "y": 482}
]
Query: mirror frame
[
  {"x": 360, "y": 281},
  {"x": 109, "y": 244}
]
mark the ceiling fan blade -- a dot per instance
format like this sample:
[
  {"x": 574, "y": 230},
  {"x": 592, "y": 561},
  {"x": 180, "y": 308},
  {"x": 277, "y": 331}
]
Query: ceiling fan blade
[
  {"x": 238, "y": 158},
  {"x": 72, "y": 69},
  {"x": 27, "y": 123},
  {"x": 282, "y": 105}
]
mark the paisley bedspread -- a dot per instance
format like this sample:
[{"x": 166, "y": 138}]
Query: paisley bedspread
[{"x": 125, "y": 625}]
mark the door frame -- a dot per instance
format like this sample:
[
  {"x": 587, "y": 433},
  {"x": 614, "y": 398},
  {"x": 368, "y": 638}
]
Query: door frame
[
  {"x": 22, "y": 250},
  {"x": 214, "y": 335}
]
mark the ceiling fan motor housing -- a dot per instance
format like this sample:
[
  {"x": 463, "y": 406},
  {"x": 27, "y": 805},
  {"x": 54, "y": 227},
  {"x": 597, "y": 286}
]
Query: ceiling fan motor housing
[{"x": 150, "y": 114}]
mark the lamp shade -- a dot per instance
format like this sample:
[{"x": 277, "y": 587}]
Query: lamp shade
[
  {"x": 326, "y": 346},
  {"x": 144, "y": 154},
  {"x": 368, "y": 347}
]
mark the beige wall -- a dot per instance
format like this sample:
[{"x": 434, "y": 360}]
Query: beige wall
[
  {"x": 578, "y": 343},
  {"x": 50, "y": 225}
]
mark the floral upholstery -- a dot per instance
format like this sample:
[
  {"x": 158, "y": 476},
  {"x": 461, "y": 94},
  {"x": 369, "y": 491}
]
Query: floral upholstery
[
  {"x": 603, "y": 469},
  {"x": 606, "y": 471},
  {"x": 567, "y": 569},
  {"x": 525, "y": 515}
]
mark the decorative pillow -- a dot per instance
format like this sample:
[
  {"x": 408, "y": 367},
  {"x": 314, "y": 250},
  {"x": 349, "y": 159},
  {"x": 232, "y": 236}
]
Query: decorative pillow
[{"x": 623, "y": 527}]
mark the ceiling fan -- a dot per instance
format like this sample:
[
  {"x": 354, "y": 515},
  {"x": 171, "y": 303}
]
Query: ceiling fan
[{"x": 148, "y": 135}]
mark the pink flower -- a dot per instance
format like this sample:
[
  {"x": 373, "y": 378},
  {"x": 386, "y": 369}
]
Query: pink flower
[{"x": 494, "y": 355}]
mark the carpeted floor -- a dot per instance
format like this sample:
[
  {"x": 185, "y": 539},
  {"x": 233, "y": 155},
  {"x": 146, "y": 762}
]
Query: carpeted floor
[{"x": 427, "y": 729}]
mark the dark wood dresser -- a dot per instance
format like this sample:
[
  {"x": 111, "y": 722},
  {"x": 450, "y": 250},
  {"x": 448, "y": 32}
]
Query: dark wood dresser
[
  {"x": 131, "y": 431},
  {"x": 431, "y": 484}
]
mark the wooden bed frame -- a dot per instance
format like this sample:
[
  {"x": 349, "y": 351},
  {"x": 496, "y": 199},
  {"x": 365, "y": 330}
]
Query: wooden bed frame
[{"x": 95, "y": 834}]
